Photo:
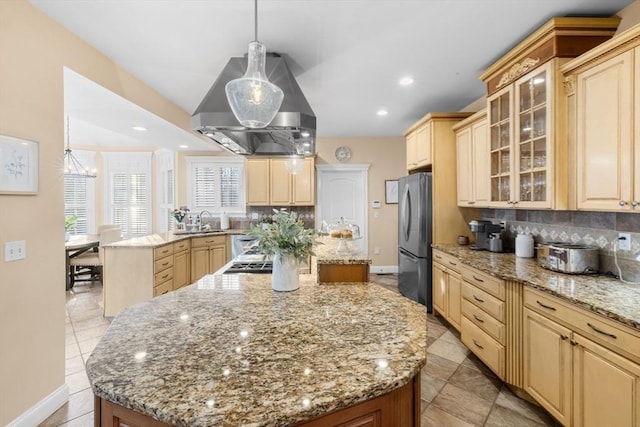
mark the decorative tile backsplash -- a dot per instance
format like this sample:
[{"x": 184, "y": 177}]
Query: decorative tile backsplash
[
  {"x": 263, "y": 213},
  {"x": 598, "y": 229}
]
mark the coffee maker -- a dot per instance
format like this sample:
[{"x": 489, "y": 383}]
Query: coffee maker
[{"x": 488, "y": 235}]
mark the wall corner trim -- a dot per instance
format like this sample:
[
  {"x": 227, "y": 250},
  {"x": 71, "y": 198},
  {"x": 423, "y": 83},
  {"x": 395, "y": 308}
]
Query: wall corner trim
[{"x": 43, "y": 409}]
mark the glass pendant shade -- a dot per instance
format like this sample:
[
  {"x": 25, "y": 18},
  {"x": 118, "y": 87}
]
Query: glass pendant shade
[
  {"x": 254, "y": 100},
  {"x": 294, "y": 165}
]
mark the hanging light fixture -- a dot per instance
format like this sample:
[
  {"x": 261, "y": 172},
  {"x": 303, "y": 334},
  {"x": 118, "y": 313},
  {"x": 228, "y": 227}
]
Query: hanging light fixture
[
  {"x": 295, "y": 164},
  {"x": 73, "y": 167},
  {"x": 254, "y": 100}
]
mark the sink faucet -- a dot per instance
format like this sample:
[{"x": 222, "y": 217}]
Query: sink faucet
[{"x": 201, "y": 225}]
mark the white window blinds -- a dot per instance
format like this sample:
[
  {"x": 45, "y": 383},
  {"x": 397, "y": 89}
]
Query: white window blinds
[
  {"x": 165, "y": 190},
  {"x": 216, "y": 184},
  {"x": 79, "y": 197},
  {"x": 128, "y": 186}
]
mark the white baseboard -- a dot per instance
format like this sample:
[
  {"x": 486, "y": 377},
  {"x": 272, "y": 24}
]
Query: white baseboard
[
  {"x": 43, "y": 409},
  {"x": 383, "y": 269}
]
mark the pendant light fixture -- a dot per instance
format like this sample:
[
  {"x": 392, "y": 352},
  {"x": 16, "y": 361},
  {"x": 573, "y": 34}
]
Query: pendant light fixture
[
  {"x": 72, "y": 166},
  {"x": 254, "y": 100},
  {"x": 295, "y": 163}
]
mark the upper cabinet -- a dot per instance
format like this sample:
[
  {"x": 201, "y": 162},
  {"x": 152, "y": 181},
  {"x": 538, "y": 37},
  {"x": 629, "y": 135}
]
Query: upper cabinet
[
  {"x": 525, "y": 104},
  {"x": 472, "y": 154},
  {"x": 603, "y": 100},
  {"x": 419, "y": 148},
  {"x": 270, "y": 184}
]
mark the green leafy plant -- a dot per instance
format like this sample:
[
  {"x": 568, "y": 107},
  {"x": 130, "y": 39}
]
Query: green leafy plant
[
  {"x": 69, "y": 222},
  {"x": 285, "y": 235}
]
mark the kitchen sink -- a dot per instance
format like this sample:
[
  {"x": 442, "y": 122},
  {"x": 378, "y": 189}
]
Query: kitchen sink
[{"x": 212, "y": 231}]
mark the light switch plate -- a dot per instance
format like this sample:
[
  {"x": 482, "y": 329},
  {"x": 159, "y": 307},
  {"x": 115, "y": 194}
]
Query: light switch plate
[
  {"x": 375, "y": 204},
  {"x": 624, "y": 241},
  {"x": 14, "y": 251}
]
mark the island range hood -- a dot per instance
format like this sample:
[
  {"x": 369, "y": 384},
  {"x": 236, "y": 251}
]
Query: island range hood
[{"x": 292, "y": 131}]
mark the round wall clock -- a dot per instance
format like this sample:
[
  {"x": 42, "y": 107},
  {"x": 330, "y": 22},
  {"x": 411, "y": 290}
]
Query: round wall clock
[{"x": 343, "y": 153}]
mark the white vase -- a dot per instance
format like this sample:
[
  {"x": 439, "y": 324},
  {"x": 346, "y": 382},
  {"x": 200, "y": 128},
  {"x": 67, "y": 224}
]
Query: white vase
[
  {"x": 67, "y": 236},
  {"x": 285, "y": 275}
]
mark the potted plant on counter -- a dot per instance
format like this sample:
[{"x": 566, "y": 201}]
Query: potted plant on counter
[{"x": 289, "y": 242}]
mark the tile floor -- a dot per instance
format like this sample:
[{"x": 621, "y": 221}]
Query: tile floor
[{"x": 457, "y": 389}]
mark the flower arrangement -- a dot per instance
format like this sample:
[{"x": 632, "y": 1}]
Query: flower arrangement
[
  {"x": 179, "y": 214},
  {"x": 285, "y": 235}
]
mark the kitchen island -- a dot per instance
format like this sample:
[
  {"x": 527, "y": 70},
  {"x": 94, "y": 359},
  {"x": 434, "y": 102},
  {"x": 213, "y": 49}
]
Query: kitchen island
[
  {"x": 229, "y": 351},
  {"x": 349, "y": 266}
]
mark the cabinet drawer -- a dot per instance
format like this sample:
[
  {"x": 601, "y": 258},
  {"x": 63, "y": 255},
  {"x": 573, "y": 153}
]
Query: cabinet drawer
[
  {"x": 482, "y": 345},
  {"x": 162, "y": 251},
  {"x": 163, "y": 276},
  {"x": 616, "y": 337},
  {"x": 447, "y": 260},
  {"x": 485, "y": 322},
  {"x": 208, "y": 241},
  {"x": 183, "y": 245},
  {"x": 163, "y": 288},
  {"x": 493, "y": 285},
  {"x": 162, "y": 264},
  {"x": 484, "y": 300}
]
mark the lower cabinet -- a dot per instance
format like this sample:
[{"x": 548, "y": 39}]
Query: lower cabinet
[
  {"x": 579, "y": 381},
  {"x": 181, "y": 264},
  {"x": 208, "y": 254},
  {"x": 446, "y": 288}
]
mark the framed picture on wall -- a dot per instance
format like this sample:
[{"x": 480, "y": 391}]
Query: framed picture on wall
[
  {"x": 18, "y": 166},
  {"x": 391, "y": 191}
]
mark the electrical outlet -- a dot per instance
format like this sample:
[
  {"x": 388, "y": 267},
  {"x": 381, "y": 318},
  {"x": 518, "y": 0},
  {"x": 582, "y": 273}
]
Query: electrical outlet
[
  {"x": 624, "y": 241},
  {"x": 14, "y": 251},
  {"x": 376, "y": 251}
]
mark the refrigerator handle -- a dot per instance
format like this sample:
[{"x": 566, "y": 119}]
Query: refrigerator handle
[{"x": 405, "y": 213}]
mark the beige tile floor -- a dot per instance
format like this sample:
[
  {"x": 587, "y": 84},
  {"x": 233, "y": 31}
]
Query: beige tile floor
[{"x": 457, "y": 389}]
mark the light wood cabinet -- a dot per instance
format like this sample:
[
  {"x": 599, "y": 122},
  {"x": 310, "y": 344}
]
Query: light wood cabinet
[
  {"x": 527, "y": 132},
  {"x": 181, "y": 264},
  {"x": 447, "y": 288},
  {"x": 579, "y": 381},
  {"x": 331, "y": 273},
  {"x": 270, "y": 184},
  {"x": 603, "y": 97},
  {"x": 412, "y": 150},
  {"x": 472, "y": 149},
  {"x": 420, "y": 145},
  {"x": 208, "y": 255}
]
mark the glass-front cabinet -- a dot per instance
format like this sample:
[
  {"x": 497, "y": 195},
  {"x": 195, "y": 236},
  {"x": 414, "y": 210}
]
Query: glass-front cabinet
[{"x": 519, "y": 117}]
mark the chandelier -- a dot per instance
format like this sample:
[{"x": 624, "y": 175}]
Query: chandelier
[{"x": 72, "y": 166}]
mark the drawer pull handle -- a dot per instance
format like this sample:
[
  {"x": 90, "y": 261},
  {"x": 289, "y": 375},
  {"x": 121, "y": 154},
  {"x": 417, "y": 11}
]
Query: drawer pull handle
[
  {"x": 164, "y": 264},
  {"x": 452, "y": 263},
  {"x": 600, "y": 331},
  {"x": 478, "y": 319},
  {"x": 165, "y": 276},
  {"x": 477, "y": 299},
  {"x": 574, "y": 342},
  {"x": 438, "y": 256},
  {"x": 479, "y": 280},
  {"x": 165, "y": 292},
  {"x": 563, "y": 337},
  {"x": 548, "y": 307},
  {"x": 478, "y": 345}
]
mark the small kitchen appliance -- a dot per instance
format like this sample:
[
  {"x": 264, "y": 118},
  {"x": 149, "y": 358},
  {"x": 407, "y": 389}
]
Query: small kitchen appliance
[
  {"x": 568, "y": 258},
  {"x": 488, "y": 235}
]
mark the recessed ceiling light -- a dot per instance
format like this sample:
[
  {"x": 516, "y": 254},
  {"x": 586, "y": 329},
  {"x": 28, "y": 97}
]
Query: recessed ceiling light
[
  {"x": 183, "y": 146},
  {"x": 382, "y": 112},
  {"x": 139, "y": 128},
  {"x": 405, "y": 81}
]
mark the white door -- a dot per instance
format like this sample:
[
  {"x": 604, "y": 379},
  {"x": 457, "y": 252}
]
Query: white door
[{"x": 342, "y": 192}]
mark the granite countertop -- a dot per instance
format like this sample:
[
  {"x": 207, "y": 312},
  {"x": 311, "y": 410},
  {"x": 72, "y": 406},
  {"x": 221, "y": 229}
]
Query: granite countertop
[
  {"x": 161, "y": 239},
  {"x": 601, "y": 294},
  {"x": 326, "y": 253},
  {"x": 229, "y": 351}
]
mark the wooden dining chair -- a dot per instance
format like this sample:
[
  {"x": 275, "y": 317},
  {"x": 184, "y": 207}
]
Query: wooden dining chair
[{"x": 93, "y": 260}]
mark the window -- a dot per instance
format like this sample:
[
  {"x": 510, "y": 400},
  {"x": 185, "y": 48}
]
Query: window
[
  {"x": 216, "y": 184},
  {"x": 79, "y": 197},
  {"x": 128, "y": 192},
  {"x": 165, "y": 189}
]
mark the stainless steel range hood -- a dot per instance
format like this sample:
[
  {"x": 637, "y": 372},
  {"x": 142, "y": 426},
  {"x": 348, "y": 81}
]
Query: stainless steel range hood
[{"x": 291, "y": 132}]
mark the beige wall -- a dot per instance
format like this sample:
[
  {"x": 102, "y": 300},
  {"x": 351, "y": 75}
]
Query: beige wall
[
  {"x": 387, "y": 157},
  {"x": 630, "y": 16},
  {"x": 32, "y": 301}
]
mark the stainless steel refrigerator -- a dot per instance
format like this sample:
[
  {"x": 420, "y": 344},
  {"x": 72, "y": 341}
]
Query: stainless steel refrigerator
[{"x": 414, "y": 237}]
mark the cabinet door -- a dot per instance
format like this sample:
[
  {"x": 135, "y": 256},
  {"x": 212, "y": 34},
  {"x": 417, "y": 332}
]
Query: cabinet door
[
  {"x": 411, "y": 151},
  {"x": 199, "y": 263},
  {"x": 533, "y": 175},
  {"x": 480, "y": 161},
  {"x": 500, "y": 136},
  {"x": 636, "y": 137},
  {"x": 423, "y": 145},
  {"x": 304, "y": 185},
  {"x": 257, "y": 182},
  {"x": 464, "y": 167},
  {"x": 280, "y": 183},
  {"x": 547, "y": 364},
  {"x": 181, "y": 270},
  {"x": 217, "y": 258},
  {"x": 603, "y": 135},
  {"x": 606, "y": 387},
  {"x": 454, "y": 299},
  {"x": 439, "y": 289}
]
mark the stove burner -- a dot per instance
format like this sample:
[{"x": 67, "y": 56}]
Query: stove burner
[{"x": 262, "y": 267}]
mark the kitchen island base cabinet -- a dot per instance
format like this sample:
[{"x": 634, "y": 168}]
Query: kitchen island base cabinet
[
  {"x": 398, "y": 408},
  {"x": 329, "y": 273},
  {"x": 208, "y": 255}
]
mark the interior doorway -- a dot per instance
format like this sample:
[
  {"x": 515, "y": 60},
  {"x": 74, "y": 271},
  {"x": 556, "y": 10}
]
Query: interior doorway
[{"x": 343, "y": 192}]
